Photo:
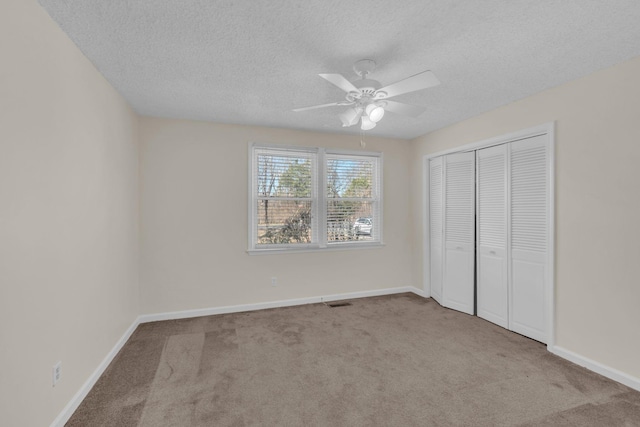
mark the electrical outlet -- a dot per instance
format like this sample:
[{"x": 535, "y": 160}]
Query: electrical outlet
[
  {"x": 274, "y": 281},
  {"x": 57, "y": 373}
]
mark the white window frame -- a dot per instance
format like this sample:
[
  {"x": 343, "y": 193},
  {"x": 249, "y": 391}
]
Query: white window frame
[{"x": 319, "y": 201}]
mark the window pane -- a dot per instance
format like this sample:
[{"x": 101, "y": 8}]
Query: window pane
[
  {"x": 283, "y": 221},
  {"x": 350, "y": 220},
  {"x": 287, "y": 196},
  {"x": 283, "y": 176},
  {"x": 349, "y": 177}
]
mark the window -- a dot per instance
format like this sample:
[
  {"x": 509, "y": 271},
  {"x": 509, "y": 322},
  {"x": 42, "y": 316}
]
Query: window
[
  {"x": 285, "y": 195},
  {"x": 351, "y": 197},
  {"x": 313, "y": 198}
]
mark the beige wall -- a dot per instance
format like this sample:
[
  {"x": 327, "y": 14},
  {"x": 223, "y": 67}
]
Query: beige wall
[
  {"x": 194, "y": 222},
  {"x": 68, "y": 216},
  {"x": 597, "y": 205}
]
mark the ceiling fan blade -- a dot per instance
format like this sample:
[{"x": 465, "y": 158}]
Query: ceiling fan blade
[
  {"x": 420, "y": 81},
  {"x": 340, "y": 81},
  {"x": 404, "y": 109},
  {"x": 313, "y": 107}
]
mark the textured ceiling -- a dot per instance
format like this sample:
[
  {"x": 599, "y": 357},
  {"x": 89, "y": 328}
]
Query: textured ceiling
[{"x": 253, "y": 61}]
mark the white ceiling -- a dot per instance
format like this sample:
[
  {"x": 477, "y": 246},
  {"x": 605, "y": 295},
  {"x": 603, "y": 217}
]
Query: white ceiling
[{"x": 253, "y": 61}]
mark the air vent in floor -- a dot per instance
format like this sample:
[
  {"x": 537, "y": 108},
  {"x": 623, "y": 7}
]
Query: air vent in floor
[{"x": 338, "y": 304}]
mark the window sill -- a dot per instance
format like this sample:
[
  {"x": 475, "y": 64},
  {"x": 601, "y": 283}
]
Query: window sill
[{"x": 328, "y": 248}]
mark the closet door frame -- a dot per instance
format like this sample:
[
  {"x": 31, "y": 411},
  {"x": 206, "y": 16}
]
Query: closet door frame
[
  {"x": 544, "y": 129},
  {"x": 429, "y": 269}
]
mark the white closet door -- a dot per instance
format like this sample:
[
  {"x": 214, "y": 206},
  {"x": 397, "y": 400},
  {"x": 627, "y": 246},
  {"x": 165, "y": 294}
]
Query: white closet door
[
  {"x": 529, "y": 235},
  {"x": 492, "y": 281},
  {"x": 459, "y": 232},
  {"x": 435, "y": 227}
]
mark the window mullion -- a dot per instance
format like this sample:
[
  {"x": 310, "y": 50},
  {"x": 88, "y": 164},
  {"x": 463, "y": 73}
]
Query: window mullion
[{"x": 322, "y": 199}]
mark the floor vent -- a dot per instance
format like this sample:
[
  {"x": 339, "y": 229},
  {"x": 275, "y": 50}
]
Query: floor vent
[{"x": 338, "y": 304}]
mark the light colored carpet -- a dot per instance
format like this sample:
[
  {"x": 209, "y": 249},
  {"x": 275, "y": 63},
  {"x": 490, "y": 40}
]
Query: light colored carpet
[{"x": 397, "y": 360}]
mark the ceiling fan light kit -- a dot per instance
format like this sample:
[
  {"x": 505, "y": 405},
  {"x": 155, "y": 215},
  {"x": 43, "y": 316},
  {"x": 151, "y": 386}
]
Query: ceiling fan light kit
[
  {"x": 350, "y": 117},
  {"x": 375, "y": 112},
  {"x": 367, "y": 123},
  {"x": 367, "y": 96}
]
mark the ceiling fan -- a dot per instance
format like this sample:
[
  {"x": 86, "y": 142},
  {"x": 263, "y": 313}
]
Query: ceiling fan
[{"x": 369, "y": 100}]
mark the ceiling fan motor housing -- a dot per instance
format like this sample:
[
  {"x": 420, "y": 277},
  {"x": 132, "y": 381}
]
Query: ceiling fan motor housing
[
  {"x": 366, "y": 91},
  {"x": 367, "y": 86}
]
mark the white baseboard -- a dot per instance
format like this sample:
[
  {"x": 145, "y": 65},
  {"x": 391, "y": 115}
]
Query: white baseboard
[
  {"x": 597, "y": 367},
  {"x": 420, "y": 292},
  {"x": 73, "y": 404},
  {"x": 77, "y": 399},
  {"x": 273, "y": 304}
]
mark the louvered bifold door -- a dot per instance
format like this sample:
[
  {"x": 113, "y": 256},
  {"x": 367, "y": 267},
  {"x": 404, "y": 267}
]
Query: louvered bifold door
[
  {"x": 529, "y": 202},
  {"x": 459, "y": 232},
  {"x": 492, "y": 264},
  {"x": 435, "y": 227}
]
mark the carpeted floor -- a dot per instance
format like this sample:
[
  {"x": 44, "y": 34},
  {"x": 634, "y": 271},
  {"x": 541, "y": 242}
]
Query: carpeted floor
[{"x": 397, "y": 360}]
